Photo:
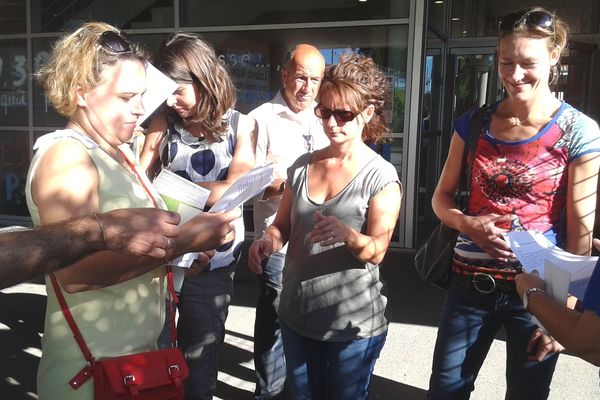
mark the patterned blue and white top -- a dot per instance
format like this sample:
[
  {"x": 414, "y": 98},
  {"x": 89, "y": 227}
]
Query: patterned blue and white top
[{"x": 198, "y": 159}]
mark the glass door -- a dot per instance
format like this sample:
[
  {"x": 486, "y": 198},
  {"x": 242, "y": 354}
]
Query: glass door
[
  {"x": 476, "y": 81},
  {"x": 467, "y": 78}
]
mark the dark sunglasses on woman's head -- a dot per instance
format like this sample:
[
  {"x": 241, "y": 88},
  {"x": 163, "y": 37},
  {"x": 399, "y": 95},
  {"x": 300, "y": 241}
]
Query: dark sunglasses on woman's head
[
  {"x": 112, "y": 41},
  {"x": 541, "y": 19},
  {"x": 339, "y": 115}
]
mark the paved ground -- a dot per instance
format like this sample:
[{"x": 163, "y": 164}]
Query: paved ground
[{"x": 401, "y": 373}]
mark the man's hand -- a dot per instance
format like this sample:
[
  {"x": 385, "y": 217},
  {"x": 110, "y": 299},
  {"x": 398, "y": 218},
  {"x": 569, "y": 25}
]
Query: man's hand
[
  {"x": 543, "y": 345},
  {"x": 208, "y": 230},
  {"x": 527, "y": 280},
  {"x": 141, "y": 231},
  {"x": 258, "y": 251}
]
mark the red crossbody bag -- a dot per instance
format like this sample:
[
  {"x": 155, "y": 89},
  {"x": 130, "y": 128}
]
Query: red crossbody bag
[{"x": 152, "y": 375}]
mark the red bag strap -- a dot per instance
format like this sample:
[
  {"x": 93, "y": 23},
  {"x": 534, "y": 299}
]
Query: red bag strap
[
  {"x": 69, "y": 317},
  {"x": 170, "y": 286},
  {"x": 174, "y": 300},
  {"x": 139, "y": 178}
]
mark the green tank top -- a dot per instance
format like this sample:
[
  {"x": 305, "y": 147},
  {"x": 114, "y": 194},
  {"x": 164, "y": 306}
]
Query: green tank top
[{"x": 116, "y": 320}]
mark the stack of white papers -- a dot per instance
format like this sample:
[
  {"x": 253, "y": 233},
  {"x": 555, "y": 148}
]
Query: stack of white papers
[
  {"x": 537, "y": 253},
  {"x": 245, "y": 188},
  {"x": 158, "y": 88},
  {"x": 186, "y": 198},
  {"x": 189, "y": 199},
  {"x": 181, "y": 195}
]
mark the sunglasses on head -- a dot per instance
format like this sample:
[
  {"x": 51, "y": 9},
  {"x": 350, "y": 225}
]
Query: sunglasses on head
[
  {"x": 114, "y": 42},
  {"x": 538, "y": 19},
  {"x": 339, "y": 115}
]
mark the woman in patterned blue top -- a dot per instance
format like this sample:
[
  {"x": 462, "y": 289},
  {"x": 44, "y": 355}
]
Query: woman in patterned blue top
[
  {"x": 201, "y": 138},
  {"x": 534, "y": 166}
]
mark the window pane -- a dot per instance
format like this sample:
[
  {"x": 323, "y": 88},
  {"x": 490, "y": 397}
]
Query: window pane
[
  {"x": 14, "y": 163},
  {"x": 254, "y": 58},
  {"x": 61, "y": 15},
  {"x": 253, "y": 12},
  {"x": 480, "y": 17},
  {"x": 435, "y": 17},
  {"x": 13, "y": 82},
  {"x": 13, "y": 16}
]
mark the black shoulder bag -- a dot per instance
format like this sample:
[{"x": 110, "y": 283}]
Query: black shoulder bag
[{"x": 433, "y": 260}]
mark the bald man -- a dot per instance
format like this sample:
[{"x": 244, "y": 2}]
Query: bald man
[{"x": 287, "y": 128}]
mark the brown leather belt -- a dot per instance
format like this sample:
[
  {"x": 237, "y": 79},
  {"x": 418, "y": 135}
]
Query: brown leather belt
[
  {"x": 486, "y": 280},
  {"x": 502, "y": 274}
]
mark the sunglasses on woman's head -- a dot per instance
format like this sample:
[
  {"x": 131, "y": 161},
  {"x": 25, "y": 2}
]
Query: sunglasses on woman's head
[
  {"x": 112, "y": 41},
  {"x": 339, "y": 115},
  {"x": 540, "y": 19}
]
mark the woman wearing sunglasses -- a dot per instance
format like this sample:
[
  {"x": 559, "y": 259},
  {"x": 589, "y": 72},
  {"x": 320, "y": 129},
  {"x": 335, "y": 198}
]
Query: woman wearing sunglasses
[
  {"x": 201, "y": 138},
  {"x": 95, "y": 77},
  {"x": 338, "y": 213},
  {"x": 534, "y": 167}
]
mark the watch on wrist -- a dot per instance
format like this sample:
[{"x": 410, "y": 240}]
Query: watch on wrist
[{"x": 528, "y": 293}]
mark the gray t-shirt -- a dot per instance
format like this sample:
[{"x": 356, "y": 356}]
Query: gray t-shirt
[{"x": 327, "y": 293}]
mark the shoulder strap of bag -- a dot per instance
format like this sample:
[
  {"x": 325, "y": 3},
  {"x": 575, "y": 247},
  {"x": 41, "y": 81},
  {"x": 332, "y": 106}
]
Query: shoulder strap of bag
[
  {"x": 477, "y": 121},
  {"x": 69, "y": 317}
]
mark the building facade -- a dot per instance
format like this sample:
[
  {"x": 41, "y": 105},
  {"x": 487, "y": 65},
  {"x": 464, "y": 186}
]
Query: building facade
[{"x": 439, "y": 56}]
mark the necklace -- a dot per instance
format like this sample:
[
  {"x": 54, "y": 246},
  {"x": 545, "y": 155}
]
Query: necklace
[{"x": 515, "y": 121}]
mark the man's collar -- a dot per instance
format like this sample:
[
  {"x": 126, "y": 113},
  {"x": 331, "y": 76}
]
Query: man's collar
[{"x": 280, "y": 106}]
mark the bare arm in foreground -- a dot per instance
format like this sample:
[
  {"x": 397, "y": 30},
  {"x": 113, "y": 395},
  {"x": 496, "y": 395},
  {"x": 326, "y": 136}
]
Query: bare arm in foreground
[{"x": 139, "y": 231}]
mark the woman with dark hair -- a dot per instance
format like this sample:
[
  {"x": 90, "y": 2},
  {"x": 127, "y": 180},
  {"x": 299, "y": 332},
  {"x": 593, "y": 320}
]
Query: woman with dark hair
[
  {"x": 338, "y": 212},
  {"x": 534, "y": 166},
  {"x": 200, "y": 137},
  {"x": 96, "y": 77}
]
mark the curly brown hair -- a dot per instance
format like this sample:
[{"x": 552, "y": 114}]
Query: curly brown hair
[
  {"x": 357, "y": 82},
  {"x": 77, "y": 60},
  {"x": 184, "y": 57}
]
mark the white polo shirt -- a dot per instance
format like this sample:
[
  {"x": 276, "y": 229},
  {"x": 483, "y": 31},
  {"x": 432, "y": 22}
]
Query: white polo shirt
[{"x": 283, "y": 136}]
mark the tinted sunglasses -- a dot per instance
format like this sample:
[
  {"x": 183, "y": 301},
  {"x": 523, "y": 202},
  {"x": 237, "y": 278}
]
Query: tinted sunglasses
[
  {"x": 114, "y": 42},
  {"x": 539, "y": 19},
  {"x": 339, "y": 115}
]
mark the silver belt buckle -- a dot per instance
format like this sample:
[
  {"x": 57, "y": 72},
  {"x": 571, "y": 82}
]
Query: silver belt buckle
[{"x": 484, "y": 283}]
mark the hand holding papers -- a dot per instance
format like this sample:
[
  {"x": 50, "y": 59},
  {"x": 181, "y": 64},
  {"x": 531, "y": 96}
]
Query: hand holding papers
[
  {"x": 186, "y": 198},
  {"x": 189, "y": 199},
  {"x": 533, "y": 249}
]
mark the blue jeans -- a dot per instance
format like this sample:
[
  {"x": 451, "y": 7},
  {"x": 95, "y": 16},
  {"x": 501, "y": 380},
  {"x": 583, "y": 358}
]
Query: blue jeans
[
  {"x": 469, "y": 322},
  {"x": 203, "y": 308},
  {"x": 320, "y": 370},
  {"x": 269, "y": 361}
]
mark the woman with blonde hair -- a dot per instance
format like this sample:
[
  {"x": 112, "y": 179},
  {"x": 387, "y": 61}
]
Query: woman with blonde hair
[
  {"x": 339, "y": 209},
  {"x": 200, "y": 137},
  {"x": 534, "y": 166},
  {"x": 95, "y": 77}
]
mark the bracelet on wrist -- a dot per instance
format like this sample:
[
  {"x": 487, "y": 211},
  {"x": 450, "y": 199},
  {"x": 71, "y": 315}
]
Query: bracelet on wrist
[{"x": 528, "y": 294}]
